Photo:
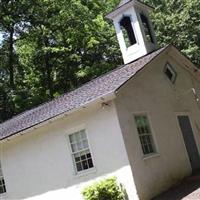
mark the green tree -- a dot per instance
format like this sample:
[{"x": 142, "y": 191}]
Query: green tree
[
  {"x": 178, "y": 22},
  {"x": 71, "y": 43},
  {"x": 12, "y": 24},
  {"x": 51, "y": 47}
]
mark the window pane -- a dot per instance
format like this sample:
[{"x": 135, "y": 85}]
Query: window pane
[
  {"x": 170, "y": 73},
  {"x": 90, "y": 163},
  {"x": 151, "y": 148},
  {"x": 85, "y": 144},
  {"x": 77, "y": 157},
  {"x": 80, "y": 151},
  {"x": 139, "y": 130},
  {"x": 83, "y": 157},
  {"x": 83, "y": 160},
  {"x": 146, "y": 151},
  {"x": 80, "y": 146},
  {"x": 144, "y": 133},
  {"x": 88, "y": 155},
  {"x": 74, "y": 147},
  {"x": 142, "y": 130},
  {"x": 1, "y": 190},
  {"x": 2, "y": 182},
  {"x": 139, "y": 122},
  {"x": 78, "y": 136},
  {"x": 85, "y": 164},
  {"x": 79, "y": 166},
  {"x": 72, "y": 138}
]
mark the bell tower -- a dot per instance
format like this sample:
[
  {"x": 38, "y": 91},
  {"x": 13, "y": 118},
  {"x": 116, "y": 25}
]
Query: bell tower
[{"x": 134, "y": 29}]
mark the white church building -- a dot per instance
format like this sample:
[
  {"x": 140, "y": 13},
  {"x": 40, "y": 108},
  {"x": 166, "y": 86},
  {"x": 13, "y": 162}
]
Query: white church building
[{"x": 139, "y": 123}]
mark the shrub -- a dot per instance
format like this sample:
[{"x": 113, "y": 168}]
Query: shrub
[{"x": 107, "y": 189}]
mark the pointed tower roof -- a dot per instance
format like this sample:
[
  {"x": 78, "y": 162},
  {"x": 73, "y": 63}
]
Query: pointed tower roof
[{"x": 122, "y": 2}]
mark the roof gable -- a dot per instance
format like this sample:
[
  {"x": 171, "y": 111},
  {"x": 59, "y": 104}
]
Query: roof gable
[{"x": 184, "y": 61}]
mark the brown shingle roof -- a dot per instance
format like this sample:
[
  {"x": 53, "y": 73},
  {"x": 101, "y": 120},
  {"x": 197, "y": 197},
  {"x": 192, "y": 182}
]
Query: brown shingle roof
[{"x": 92, "y": 90}]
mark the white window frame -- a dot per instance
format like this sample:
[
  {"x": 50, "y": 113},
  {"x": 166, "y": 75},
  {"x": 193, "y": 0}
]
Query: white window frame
[
  {"x": 169, "y": 67},
  {"x": 134, "y": 31},
  {"x": 83, "y": 171},
  {"x": 153, "y": 141},
  {"x": 2, "y": 182}
]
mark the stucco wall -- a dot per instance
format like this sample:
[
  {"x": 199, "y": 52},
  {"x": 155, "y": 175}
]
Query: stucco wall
[
  {"x": 151, "y": 92},
  {"x": 38, "y": 165}
]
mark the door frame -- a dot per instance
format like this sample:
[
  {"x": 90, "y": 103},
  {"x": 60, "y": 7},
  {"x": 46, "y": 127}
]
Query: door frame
[{"x": 187, "y": 113}]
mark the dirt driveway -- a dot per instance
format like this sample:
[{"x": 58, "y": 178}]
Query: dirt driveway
[{"x": 189, "y": 189}]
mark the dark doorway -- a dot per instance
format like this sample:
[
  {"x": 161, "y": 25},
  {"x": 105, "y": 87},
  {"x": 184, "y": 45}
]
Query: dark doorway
[
  {"x": 190, "y": 143},
  {"x": 127, "y": 31}
]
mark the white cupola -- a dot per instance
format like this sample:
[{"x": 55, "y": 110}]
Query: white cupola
[{"x": 134, "y": 29}]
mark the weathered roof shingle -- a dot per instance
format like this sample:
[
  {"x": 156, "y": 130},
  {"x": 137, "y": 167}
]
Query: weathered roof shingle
[{"x": 92, "y": 90}]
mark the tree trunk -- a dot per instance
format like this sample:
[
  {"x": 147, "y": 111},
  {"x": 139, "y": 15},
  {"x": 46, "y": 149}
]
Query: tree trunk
[
  {"x": 48, "y": 68},
  {"x": 11, "y": 58}
]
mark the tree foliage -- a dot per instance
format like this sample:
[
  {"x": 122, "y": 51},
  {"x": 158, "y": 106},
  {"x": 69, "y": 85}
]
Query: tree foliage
[
  {"x": 50, "y": 47},
  {"x": 178, "y": 22}
]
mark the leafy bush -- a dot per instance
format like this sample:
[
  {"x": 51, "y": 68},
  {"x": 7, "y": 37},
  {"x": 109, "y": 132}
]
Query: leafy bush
[{"x": 107, "y": 189}]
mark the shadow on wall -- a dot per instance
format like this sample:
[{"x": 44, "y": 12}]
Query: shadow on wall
[
  {"x": 58, "y": 191},
  {"x": 188, "y": 188}
]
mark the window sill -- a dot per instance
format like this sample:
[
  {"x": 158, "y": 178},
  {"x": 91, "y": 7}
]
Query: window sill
[
  {"x": 153, "y": 155},
  {"x": 85, "y": 172}
]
